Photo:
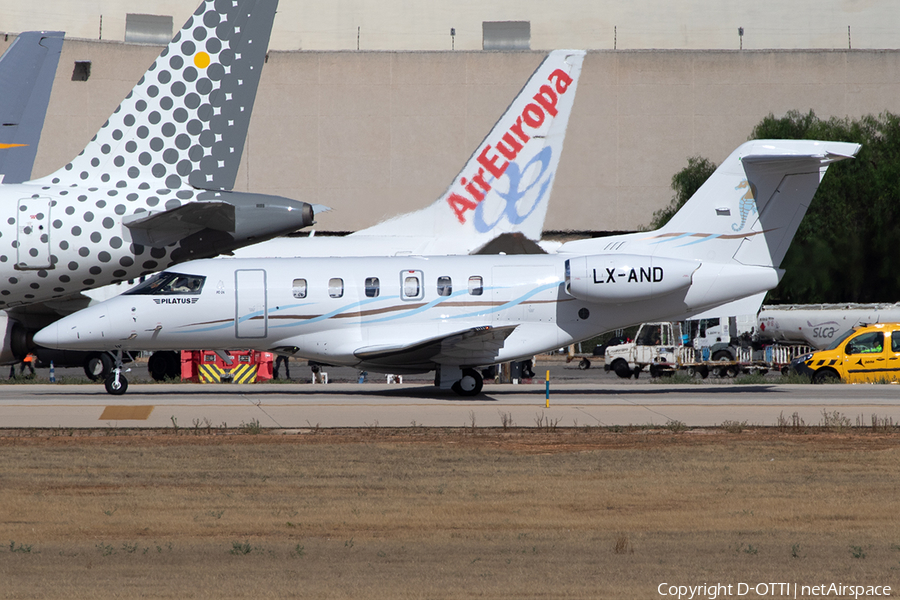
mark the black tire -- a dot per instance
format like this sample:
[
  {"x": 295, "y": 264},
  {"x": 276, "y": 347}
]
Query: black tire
[
  {"x": 825, "y": 376},
  {"x": 164, "y": 365},
  {"x": 470, "y": 384},
  {"x": 98, "y": 366},
  {"x": 584, "y": 364},
  {"x": 722, "y": 355},
  {"x": 116, "y": 388},
  {"x": 654, "y": 371},
  {"x": 621, "y": 368},
  {"x": 704, "y": 371}
]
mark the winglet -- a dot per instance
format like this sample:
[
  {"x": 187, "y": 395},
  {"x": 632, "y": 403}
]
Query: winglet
[{"x": 27, "y": 69}]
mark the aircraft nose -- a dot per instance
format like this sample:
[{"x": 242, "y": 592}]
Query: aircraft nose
[
  {"x": 48, "y": 336},
  {"x": 85, "y": 330}
]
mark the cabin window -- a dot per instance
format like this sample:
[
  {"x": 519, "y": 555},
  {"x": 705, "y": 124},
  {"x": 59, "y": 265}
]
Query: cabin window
[
  {"x": 444, "y": 286},
  {"x": 336, "y": 287},
  {"x": 169, "y": 284},
  {"x": 299, "y": 288},
  {"x": 895, "y": 341},
  {"x": 373, "y": 287},
  {"x": 476, "y": 285},
  {"x": 412, "y": 285}
]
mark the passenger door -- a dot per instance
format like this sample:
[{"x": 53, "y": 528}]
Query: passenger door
[
  {"x": 251, "y": 312},
  {"x": 33, "y": 234}
]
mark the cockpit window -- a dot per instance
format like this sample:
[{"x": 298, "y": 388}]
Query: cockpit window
[{"x": 168, "y": 284}]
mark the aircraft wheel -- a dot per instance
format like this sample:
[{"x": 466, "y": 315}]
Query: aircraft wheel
[
  {"x": 825, "y": 376},
  {"x": 98, "y": 366},
  {"x": 470, "y": 384},
  {"x": 584, "y": 364},
  {"x": 114, "y": 387}
]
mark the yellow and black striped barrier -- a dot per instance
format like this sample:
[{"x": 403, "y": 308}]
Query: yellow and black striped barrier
[{"x": 242, "y": 373}]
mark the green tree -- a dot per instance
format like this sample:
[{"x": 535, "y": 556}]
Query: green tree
[{"x": 845, "y": 248}]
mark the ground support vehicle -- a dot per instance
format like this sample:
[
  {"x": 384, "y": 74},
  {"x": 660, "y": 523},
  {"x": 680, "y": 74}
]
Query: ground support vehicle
[
  {"x": 661, "y": 349},
  {"x": 865, "y": 354},
  {"x": 236, "y": 366}
]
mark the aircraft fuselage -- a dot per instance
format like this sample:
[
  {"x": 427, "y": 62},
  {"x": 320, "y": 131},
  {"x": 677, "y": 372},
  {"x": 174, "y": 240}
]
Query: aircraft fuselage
[
  {"x": 60, "y": 240},
  {"x": 376, "y": 313}
]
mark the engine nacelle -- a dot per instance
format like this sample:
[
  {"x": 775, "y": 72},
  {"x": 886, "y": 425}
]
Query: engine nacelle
[
  {"x": 16, "y": 340},
  {"x": 618, "y": 278}
]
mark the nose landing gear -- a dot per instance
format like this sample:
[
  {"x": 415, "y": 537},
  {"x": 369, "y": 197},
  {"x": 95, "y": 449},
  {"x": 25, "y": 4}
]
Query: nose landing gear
[{"x": 116, "y": 383}]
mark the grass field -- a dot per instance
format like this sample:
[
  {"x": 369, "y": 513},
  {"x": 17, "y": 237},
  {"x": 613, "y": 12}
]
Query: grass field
[{"x": 421, "y": 513}]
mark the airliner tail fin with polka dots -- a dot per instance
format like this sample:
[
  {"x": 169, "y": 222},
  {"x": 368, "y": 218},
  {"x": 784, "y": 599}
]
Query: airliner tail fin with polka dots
[{"x": 185, "y": 122}]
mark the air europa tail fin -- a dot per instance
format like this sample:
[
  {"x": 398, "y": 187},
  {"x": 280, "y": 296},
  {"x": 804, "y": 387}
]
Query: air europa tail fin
[
  {"x": 505, "y": 186},
  {"x": 749, "y": 209},
  {"x": 27, "y": 69},
  {"x": 185, "y": 122}
]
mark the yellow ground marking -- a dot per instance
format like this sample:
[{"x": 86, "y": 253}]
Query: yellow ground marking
[{"x": 126, "y": 413}]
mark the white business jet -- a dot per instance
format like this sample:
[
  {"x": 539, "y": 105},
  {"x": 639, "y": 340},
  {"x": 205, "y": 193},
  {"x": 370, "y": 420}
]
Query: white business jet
[
  {"x": 152, "y": 188},
  {"x": 456, "y": 313}
]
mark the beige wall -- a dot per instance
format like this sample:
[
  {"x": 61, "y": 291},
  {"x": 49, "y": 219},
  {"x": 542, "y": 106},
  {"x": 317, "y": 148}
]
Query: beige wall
[
  {"x": 373, "y": 134},
  {"x": 595, "y": 24}
]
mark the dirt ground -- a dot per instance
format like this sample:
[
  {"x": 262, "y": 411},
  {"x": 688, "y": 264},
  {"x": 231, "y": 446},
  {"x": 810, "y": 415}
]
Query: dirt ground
[{"x": 446, "y": 513}]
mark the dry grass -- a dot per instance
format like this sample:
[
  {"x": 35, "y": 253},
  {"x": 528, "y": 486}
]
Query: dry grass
[{"x": 496, "y": 514}]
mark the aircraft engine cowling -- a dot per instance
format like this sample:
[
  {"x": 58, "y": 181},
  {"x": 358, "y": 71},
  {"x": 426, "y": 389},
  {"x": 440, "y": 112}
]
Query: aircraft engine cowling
[
  {"x": 16, "y": 340},
  {"x": 617, "y": 278}
]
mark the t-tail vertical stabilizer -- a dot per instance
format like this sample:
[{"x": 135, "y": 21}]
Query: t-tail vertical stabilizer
[
  {"x": 506, "y": 184},
  {"x": 725, "y": 245},
  {"x": 750, "y": 208},
  {"x": 27, "y": 69},
  {"x": 185, "y": 122}
]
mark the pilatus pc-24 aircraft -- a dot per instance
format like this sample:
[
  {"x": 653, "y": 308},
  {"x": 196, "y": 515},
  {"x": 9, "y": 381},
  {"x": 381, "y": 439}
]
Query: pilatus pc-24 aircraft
[
  {"x": 456, "y": 313},
  {"x": 152, "y": 188},
  {"x": 27, "y": 69}
]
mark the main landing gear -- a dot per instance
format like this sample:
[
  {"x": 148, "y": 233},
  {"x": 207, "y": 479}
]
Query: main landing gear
[
  {"x": 469, "y": 384},
  {"x": 465, "y": 382},
  {"x": 116, "y": 383}
]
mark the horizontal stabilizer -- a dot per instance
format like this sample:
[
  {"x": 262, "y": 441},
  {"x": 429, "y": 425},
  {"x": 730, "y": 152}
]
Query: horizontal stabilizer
[
  {"x": 163, "y": 228},
  {"x": 474, "y": 346}
]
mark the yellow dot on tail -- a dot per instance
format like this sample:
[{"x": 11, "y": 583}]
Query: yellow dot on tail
[{"x": 201, "y": 59}]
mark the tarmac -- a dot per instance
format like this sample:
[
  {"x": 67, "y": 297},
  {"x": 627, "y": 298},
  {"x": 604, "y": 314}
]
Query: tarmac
[{"x": 600, "y": 400}]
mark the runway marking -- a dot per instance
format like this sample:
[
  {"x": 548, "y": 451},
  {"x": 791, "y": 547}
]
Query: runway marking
[{"x": 126, "y": 413}]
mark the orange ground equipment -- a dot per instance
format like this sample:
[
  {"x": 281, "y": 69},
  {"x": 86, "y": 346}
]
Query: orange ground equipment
[{"x": 245, "y": 366}]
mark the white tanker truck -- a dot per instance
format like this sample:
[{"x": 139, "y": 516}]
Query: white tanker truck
[{"x": 819, "y": 324}]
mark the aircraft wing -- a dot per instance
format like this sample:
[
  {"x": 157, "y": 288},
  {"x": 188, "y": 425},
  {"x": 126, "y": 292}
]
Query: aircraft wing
[
  {"x": 27, "y": 69},
  {"x": 473, "y": 346},
  {"x": 163, "y": 228}
]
